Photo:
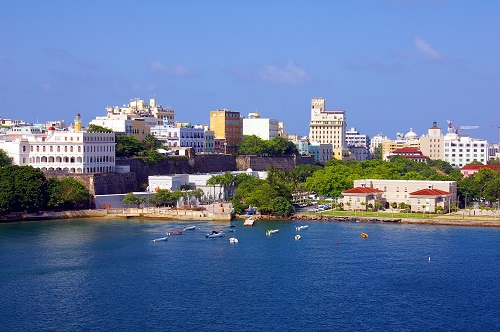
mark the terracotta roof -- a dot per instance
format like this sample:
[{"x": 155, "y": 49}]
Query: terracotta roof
[
  {"x": 429, "y": 192},
  {"x": 362, "y": 190},
  {"x": 407, "y": 150},
  {"x": 478, "y": 167}
]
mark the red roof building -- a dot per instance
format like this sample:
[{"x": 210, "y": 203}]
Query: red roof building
[
  {"x": 359, "y": 198},
  {"x": 428, "y": 200},
  {"x": 469, "y": 170},
  {"x": 409, "y": 153}
]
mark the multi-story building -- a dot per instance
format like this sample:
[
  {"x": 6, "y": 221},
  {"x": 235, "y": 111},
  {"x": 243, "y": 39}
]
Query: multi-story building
[
  {"x": 462, "y": 150},
  {"x": 409, "y": 191},
  {"x": 358, "y": 144},
  {"x": 321, "y": 152},
  {"x": 408, "y": 140},
  {"x": 135, "y": 119},
  {"x": 264, "y": 128},
  {"x": 185, "y": 137},
  {"x": 328, "y": 127},
  {"x": 432, "y": 144},
  {"x": 228, "y": 130},
  {"x": 73, "y": 151}
]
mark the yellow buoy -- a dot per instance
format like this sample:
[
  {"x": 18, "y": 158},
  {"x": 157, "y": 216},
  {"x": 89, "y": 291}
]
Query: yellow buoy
[{"x": 364, "y": 235}]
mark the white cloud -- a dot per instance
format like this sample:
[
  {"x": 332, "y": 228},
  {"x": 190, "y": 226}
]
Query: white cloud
[
  {"x": 177, "y": 70},
  {"x": 426, "y": 50},
  {"x": 289, "y": 74}
]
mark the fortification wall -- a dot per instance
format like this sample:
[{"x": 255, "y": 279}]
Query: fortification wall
[{"x": 262, "y": 163}]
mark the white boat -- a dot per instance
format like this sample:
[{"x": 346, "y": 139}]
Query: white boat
[
  {"x": 215, "y": 234},
  {"x": 272, "y": 231},
  {"x": 233, "y": 240},
  {"x": 300, "y": 228},
  {"x": 189, "y": 228},
  {"x": 161, "y": 239},
  {"x": 297, "y": 237}
]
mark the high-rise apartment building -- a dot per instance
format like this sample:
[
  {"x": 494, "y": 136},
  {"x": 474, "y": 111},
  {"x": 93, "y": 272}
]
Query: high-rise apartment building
[
  {"x": 228, "y": 130},
  {"x": 328, "y": 127}
]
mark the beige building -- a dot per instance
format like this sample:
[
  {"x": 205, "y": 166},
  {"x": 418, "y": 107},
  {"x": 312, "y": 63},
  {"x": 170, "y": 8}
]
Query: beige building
[
  {"x": 432, "y": 144},
  {"x": 400, "y": 191},
  {"x": 228, "y": 130},
  {"x": 328, "y": 127},
  {"x": 408, "y": 140}
]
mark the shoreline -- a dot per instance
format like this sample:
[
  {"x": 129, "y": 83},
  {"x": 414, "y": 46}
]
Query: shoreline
[
  {"x": 447, "y": 220},
  {"x": 470, "y": 222}
]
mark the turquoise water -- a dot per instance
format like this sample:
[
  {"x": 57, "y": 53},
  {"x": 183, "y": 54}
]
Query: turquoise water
[{"x": 88, "y": 275}]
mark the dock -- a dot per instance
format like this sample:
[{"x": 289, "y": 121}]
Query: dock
[{"x": 249, "y": 222}]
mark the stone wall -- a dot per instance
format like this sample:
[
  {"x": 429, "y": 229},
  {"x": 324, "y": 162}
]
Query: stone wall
[
  {"x": 212, "y": 163},
  {"x": 171, "y": 165},
  {"x": 261, "y": 163}
]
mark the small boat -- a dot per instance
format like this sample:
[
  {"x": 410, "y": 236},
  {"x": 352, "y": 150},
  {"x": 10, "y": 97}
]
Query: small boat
[
  {"x": 272, "y": 231},
  {"x": 364, "y": 235},
  {"x": 233, "y": 240},
  {"x": 161, "y": 239},
  {"x": 189, "y": 228},
  {"x": 298, "y": 237},
  {"x": 215, "y": 234},
  {"x": 174, "y": 233},
  {"x": 300, "y": 228},
  {"x": 231, "y": 228}
]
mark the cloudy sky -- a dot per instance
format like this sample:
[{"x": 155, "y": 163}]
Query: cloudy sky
[{"x": 390, "y": 64}]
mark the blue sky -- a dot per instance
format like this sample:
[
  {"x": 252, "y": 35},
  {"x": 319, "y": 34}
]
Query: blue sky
[{"x": 390, "y": 64}]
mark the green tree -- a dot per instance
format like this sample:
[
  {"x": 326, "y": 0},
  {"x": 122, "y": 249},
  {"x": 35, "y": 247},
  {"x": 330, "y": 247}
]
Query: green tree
[
  {"x": 252, "y": 144},
  {"x": 5, "y": 160},
  {"x": 67, "y": 193},
  {"x": 150, "y": 157},
  {"x": 127, "y": 146},
  {"x": 132, "y": 199},
  {"x": 151, "y": 142},
  {"x": 22, "y": 188},
  {"x": 98, "y": 129}
]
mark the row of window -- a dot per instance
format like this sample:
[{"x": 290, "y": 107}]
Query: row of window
[
  {"x": 87, "y": 159},
  {"x": 71, "y": 148}
]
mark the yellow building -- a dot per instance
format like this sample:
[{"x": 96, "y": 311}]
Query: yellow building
[{"x": 228, "y": 130}]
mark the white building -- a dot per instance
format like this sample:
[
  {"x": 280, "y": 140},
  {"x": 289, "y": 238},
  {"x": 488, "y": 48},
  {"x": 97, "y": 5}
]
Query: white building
[
  {"x": 358, "y": 144},
  {"x": 195, "y": 181},
  {"x": 68, "y": 151},
  {"x": 264, "y": 128},
  {"x": 462, "y": 150},
  {"x": 185, "y": 137}
]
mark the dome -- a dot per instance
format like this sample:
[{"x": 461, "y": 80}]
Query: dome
[{"x": 411, "y": 134}]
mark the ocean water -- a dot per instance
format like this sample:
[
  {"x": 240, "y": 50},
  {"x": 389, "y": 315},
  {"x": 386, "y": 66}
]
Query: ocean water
[{"x": 102, "y": 275}]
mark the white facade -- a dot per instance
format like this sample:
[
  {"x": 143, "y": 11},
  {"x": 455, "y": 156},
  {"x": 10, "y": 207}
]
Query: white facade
[
  {"x": 67, "y": 151},
  {"x": 462, "y": 150},
  {"x": 195, "y": 181},
  {"x": 265, "y": 129},
  {"x": 172, "y": 137}
]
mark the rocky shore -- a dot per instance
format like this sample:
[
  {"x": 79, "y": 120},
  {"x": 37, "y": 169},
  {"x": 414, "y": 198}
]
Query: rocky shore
[{"x": 486, "y": 222}]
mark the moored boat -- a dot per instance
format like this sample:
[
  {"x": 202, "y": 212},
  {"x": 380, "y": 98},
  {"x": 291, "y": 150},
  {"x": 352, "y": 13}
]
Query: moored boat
[
  {"x": 215, "y": 234},
  {"x": 174, "y": 233},
  {"x": 364, "y": 235},
  {"x": 160, "y": 239},
  {"x": 189, "y": 228},
  {"x": 233, "y": 240},
  {"x": 272, "y": 231},
  {"x": 300, "y": 228}
]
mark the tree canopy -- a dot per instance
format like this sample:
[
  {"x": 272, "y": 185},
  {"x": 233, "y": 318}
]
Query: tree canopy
[
  {"x": 278, "y": 146},
  {"x": 5, "y": 160}
]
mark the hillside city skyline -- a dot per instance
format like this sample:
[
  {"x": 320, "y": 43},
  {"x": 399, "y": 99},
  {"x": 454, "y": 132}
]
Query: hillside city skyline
[{"x": 391, "y": 65}]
